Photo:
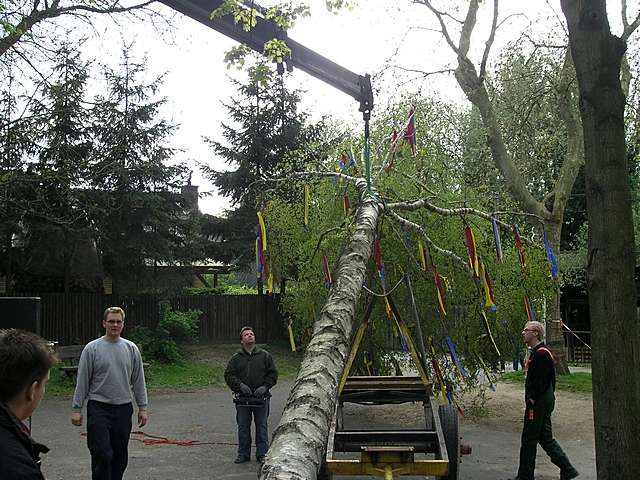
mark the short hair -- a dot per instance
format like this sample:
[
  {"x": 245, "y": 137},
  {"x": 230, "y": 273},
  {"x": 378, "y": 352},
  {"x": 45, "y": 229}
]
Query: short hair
[
  {"x": 24, "y": 358},
  {"x": 113, "y": 310},
  {"x": 244, "y": 329},
  {"x": 537, "y": 327}
]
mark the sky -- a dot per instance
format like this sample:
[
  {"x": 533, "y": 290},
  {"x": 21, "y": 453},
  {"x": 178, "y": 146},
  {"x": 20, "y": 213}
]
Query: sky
[{"x": 366, "y": 40}]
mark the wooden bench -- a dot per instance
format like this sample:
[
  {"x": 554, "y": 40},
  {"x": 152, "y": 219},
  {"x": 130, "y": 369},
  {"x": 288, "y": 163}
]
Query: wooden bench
[{"x": 69, "y": 356}]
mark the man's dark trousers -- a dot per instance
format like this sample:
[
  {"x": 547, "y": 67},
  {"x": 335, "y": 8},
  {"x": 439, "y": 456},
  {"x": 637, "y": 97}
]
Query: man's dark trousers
[
  {"x": 538, "y": 430},
  {"x": 108, "y": 430},
  {"x": 243, "y": 418}
]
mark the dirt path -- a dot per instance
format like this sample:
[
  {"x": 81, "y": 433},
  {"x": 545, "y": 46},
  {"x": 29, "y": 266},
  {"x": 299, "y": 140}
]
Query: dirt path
[{"x": 208, "y": 416}]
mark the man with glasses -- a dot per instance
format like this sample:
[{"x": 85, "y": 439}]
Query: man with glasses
[
  {"x": 110, "y": 368},
  {"x": 539, "y": 403}
]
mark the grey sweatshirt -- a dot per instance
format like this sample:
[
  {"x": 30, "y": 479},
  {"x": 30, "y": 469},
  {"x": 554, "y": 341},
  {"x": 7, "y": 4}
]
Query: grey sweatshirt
[{"x": 107, "y": 372}]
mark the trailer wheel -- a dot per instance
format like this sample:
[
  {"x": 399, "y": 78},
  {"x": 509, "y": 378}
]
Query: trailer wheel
[{"x": 449, "y": 422}]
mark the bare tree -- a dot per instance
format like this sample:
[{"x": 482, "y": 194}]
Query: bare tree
[{"x": 18, "y": 18}]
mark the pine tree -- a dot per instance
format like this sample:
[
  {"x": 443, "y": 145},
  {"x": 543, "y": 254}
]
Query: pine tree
[
  {"x": 265, "y": 138},
  {"x": 142, "y": 218},
  {"x": 62, "y": 164}
]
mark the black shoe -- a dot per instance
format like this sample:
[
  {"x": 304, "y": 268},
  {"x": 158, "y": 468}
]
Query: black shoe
[
  {"x": 260, "y": 459},
  {"x": 568, "y": 473},
  {"x": 241, "y": 459}
]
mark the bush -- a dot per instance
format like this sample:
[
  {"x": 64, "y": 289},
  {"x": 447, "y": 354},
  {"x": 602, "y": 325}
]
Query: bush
[
  {"x": 221, "y": 290},
  {"x": 174, "y": 328}
]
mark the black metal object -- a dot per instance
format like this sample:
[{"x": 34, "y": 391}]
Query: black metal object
[
  {"x": 21, "y": 312},
  {"x": 248, "y": 402},
  {"x": 422, "y": 441},
  {"x": 358, "y": 86}
]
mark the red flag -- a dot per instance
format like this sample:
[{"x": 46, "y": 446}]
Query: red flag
[
  {"x": 410, "y": 131},
  {"x": 470, "y": 242},
  {"x": 441, "y": 295},
  {"x": 519, "y": 246}
]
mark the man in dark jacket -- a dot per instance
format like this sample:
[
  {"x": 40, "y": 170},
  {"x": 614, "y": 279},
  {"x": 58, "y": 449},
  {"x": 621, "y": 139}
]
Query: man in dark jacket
[
  {"x": 539, "y": 403},
  {"x": 250, "y": 374},
  {"x": 25, "y": 361}
]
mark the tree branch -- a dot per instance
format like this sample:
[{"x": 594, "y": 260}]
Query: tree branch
[
  {"x": 408, "y": 223},
  {"x": 492, "y": 35},
  {"x": 37, "y": 15}
]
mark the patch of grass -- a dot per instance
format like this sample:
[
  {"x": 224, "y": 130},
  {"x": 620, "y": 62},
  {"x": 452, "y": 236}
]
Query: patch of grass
[
  {"x": 203, "y": 367},
  {"x": 183, "y": 375},
  {"x": 60, "y": 385},
  {"x": 579, "y": 382}
]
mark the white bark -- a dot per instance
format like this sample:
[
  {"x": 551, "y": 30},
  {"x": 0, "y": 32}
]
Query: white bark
[{"x": 299, "y": 441}]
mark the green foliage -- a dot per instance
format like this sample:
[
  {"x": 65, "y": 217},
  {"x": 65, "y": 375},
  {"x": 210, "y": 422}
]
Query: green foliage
[
  {"x": 284, "y": 15},
  {"x": 297, "y": 250},
  {"x": 246, "y": 17},
  {"x": 163, "y": 343},
  {"x": 277, "y": 50},
  {"x": 221, "y": 290},
  {"x": 579, "y": 382}
]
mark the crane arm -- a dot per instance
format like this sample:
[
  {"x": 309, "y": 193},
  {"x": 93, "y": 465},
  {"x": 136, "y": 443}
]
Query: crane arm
[{"x": 357, "y": 86}]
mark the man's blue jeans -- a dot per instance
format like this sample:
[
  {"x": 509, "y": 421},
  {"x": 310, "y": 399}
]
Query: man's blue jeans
[{"x": 243, "y": 418}]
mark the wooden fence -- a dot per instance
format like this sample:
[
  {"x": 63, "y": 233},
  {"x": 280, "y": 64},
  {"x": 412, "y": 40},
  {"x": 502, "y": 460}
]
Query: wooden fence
[{"x": 77, "y": 317}]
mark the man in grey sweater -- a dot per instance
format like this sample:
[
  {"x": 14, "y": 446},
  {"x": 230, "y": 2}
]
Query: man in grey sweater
[{"x": 110, "y": 368}]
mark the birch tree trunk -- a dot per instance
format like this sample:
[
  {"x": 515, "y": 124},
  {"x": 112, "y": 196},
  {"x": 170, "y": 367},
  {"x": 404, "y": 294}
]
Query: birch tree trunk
[
  {"x": 299, "y": 441},
  {"x": 597, "y": 57}
]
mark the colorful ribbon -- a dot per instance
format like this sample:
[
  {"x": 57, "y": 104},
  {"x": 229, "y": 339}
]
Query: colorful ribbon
[
  {"x": 455, "y": 358},
  {"x": 327, "y": 272},
  {"x": 292, "y": 341},
  {"x": 410, "y": 131},
  {"x": 531, "y": 315},
  {"x": 553, "y": 261},
  {"x": 496, "y": 237},
  {"x": 470, "y": 242},
  {"x": 307, "y": 201},
  {"x": 263, "y": 232},
  {"x": 489, "y": 334},
  {"x": 489, "y": 298},
  {"x": 519, "y": 246},
  {"x": 440, "y": 291},
  {"x": 346, "y": 203}
]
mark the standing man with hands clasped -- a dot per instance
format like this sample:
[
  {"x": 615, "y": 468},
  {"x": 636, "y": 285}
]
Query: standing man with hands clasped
[
  {"x": 110, "y": 367},
  {"x": 539, "y": 403},
  {"x": 251, "y": 372}
]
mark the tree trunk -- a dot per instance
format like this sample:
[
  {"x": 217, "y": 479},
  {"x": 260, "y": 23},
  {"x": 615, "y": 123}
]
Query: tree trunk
[
  {"x": 597, "y": 57},
  {"x": 299, "y": 441}
]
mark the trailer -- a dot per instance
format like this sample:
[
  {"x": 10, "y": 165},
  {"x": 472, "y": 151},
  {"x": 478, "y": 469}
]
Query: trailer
[{"x": 434, "y": 449}]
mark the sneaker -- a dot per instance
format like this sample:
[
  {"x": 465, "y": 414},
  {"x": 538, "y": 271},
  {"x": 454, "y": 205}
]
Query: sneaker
[
  {"x": 260, "y": 459},
  {"x": 241, "y": 459}
]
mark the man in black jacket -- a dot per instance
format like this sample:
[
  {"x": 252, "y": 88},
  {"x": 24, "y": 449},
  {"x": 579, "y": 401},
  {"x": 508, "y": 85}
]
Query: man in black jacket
[
  {"x": 250, "y": 374},
  {"x": 539, "y": 403},
  {"x": 25, "y": 361}
]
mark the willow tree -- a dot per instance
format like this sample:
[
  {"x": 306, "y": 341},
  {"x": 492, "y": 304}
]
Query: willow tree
[{"x": 411, "y": 200}]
